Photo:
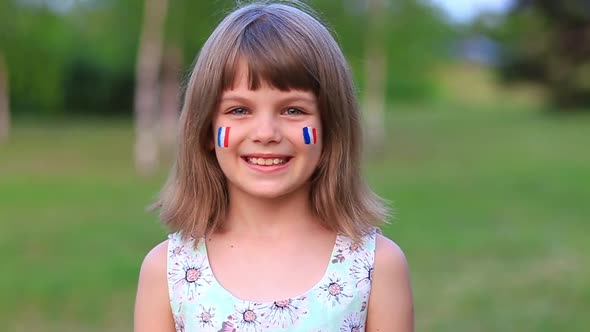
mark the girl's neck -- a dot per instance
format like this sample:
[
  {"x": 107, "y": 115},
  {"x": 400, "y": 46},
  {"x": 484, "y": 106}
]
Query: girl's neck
[{"x": 269, "y": 216}]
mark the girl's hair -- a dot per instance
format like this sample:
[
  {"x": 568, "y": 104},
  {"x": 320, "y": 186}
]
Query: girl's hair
[{"x": 284, "y": 45}]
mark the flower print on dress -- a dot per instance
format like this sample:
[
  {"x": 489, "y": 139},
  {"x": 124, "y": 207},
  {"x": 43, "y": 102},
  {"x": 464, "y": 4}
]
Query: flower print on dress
[
  {"x": 339, "y": 257},
  {"x": 177, "y": 251},
  {"x": 206, "y": 316},
  {"x": 247, "y": 317},
  {"x": 189, "y": 276},
  {"x": 363, "y": 306},
  {"x": 177, "y": 247},
  {"x": 348, "y": 247},
  {"x": 352, "y": 323},
  {"x": 284, "y": 313},
  {"x": 354, "y": 248},
  {"x": 362, "y": 271},
  {"x": 334, "y": 291}
]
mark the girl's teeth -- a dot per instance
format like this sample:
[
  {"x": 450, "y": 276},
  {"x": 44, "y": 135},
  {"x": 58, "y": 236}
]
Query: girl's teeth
[{"x": 266, "y": 162}]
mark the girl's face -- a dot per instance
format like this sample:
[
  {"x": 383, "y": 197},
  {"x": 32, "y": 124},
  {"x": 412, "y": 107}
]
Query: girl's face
[{"x": 267, "y": 141}]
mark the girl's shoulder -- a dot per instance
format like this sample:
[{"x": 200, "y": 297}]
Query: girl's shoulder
[
  {"x": 389, "y": 257},
  {"x": 154, "y": 263},
  {"x": 391, "y": 288},
  {"x": 151, "y": 308},
  {"x": 154, "y": 268},
  {"x": 388, "y": 253}
]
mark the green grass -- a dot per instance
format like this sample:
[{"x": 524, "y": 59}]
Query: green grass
[{"x": 492, "y": 210}]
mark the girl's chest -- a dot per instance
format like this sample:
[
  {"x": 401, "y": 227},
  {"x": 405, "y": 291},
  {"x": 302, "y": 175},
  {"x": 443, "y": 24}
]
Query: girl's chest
[{"x": 269, "y": 275}]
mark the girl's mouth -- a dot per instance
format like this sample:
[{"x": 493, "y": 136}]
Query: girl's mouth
[{"x": 267, "y": 161}]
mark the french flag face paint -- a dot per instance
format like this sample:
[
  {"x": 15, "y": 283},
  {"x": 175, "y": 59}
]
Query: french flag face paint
[
  {"x": 310, "y": 135},
  {"x": 223, "y": 137}
]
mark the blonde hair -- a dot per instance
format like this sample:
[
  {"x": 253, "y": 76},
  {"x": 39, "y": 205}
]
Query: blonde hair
[{"x": 284, "y": 45}]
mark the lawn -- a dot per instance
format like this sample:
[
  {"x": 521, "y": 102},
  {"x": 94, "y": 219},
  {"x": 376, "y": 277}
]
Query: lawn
[{"x": 491, "y": 208}]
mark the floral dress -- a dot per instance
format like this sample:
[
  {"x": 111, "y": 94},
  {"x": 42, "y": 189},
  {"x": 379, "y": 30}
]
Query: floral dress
[{"x": 338, "y": 302}]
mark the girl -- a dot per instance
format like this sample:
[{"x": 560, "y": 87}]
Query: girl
[{"x": 272, "y": 228}]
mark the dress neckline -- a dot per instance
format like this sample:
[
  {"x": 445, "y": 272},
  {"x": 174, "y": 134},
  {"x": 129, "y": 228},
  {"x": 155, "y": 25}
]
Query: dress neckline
[{"x": 202, "y": 249}]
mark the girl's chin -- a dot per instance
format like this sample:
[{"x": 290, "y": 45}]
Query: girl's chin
[{"x": 270, "y": 192}]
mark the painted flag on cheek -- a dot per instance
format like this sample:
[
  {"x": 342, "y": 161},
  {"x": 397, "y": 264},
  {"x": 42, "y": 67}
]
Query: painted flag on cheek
[
  {"x": 223, "y": 137},
  {"x": 310, "y": 135}
]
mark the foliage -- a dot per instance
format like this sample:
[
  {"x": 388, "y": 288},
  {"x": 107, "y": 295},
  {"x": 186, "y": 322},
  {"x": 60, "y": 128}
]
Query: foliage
[
  {"x": 548, "y": 42},
  {"x": 81, "y": 58},
  {"x": 417, "y": 38},
  {"x": 100, "y": 67},
  {"x": 35, "y": 41}
]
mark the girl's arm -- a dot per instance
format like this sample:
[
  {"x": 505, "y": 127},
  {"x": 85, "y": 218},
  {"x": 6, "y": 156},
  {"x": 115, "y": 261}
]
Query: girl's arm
[
  {"x": 152, "y": 305},
  {"x": 390, "y": 306}
]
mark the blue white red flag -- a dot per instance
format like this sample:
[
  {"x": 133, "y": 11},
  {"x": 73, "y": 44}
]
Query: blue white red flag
[
  {"x": 310, "y": 135},
  {"x": 223, "y": 137}
]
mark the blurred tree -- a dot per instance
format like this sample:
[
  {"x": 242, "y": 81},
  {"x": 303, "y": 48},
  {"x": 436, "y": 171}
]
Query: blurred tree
[
  {"x": 6, "y": 42},
  {"x": 99, "y": 72},
  {"x": 184, "y": 37},
  {"x": 149, "y": 58},
  {"x": 34, "y": 39},
  {"x": 418, "y": 40},
  {"x": 549, "y": 42},
  {"x": 392, "y": 46},
  {"x": 375, "y": 72},
  {"x": 4, "y": 102},
  {"x": 30, "y": 59},
  {"x": 415, "y": 38},
  {"x": 170, "y": 105}
]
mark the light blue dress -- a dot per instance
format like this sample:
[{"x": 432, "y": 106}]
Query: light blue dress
[{"x": 338, "y": 302}]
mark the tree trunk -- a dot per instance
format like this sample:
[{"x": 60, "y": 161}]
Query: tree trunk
[
  {"x": 149, "y": 58},
  {"x": 375, "y": 71},
  {"x": 4, "y": 101},
  {"x": 170, "y": 99}
]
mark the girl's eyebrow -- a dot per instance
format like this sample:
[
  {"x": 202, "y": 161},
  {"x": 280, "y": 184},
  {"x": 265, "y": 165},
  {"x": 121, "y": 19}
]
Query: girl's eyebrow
[
  {"x": 234, "y": 99},
  {"x": 300, "y": 97}
]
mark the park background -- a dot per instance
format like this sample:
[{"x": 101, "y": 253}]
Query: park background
[{"x": 478, "y": 132}]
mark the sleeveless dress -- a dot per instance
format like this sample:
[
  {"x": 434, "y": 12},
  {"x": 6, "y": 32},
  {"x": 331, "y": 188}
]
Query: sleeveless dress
[{"x": 338, "y": 302}]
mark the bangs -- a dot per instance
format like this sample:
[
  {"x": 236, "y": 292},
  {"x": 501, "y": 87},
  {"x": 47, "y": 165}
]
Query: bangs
[{"x": 274, "y": 57}]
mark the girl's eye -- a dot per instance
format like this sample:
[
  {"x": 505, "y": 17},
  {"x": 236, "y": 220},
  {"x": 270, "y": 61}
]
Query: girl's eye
[
  {"x": 239, "y": 111},
  {"x": 293, "y": 111}
]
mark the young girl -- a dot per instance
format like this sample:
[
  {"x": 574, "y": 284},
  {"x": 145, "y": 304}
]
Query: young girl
[{"x": 272, "y": 228}]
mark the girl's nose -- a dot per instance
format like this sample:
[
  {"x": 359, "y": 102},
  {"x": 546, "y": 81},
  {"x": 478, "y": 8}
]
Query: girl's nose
[{"x": 266, "y": 130}]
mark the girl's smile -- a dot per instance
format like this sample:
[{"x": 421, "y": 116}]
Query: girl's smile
[{"x": 267, "y": 163}]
